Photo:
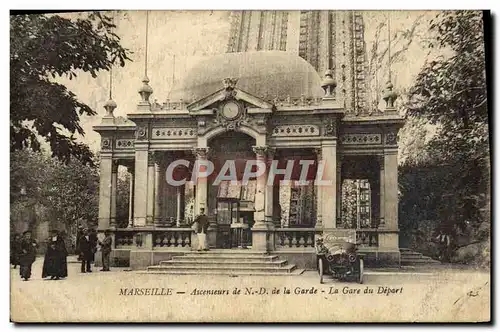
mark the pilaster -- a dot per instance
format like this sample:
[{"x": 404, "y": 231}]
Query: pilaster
[
  {"x": 140, "y": 184},
  {"x": 105, "y": 190},
  {"x": 329, "y": 183},
  {"x": 114, "y": 180},
  {"x": 150, "y": 189}
]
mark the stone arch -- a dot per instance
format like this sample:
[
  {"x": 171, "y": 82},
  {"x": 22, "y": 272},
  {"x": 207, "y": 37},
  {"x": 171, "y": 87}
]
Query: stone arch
[{"x": 260, "y": 139}]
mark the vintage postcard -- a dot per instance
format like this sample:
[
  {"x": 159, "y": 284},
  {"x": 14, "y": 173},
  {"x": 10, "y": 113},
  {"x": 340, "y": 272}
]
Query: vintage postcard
[{"x": 249, "y": 166}]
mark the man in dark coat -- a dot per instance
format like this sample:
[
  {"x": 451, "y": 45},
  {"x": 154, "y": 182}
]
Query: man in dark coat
[
  {"x": 55, "y": 264},
  {"x": 93, "y": 242},
  {"x": 85, "y": 251},
  {"x": 106, "y": 245},
  {"x": 15, "y": 250},
  {"x": 27, "y": 255},
  {"x": 202, "y": 224}
]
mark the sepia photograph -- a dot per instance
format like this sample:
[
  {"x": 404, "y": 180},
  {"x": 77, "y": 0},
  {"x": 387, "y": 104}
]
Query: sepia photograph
[{"x": 250, "y": 166}]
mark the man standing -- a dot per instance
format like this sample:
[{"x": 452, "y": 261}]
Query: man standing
[
  {"x": 27, "y": 255},
  {"x": 15, "y": 250},
  {"x": 93, "y": 242},
  {"x": 201, "y": 223},
  {"x": 106, "y": 245},
  {"x": 85, "y": 251}
]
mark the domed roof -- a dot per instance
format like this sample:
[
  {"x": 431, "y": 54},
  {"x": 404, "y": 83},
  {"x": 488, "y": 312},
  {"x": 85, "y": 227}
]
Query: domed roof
[{"x": 264, "y": 74}]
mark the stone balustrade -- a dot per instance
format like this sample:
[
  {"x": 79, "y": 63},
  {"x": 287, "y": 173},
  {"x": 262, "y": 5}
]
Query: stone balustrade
[
  {"x": 287, "y": 238},
  {"x": 367, "y": 237}
]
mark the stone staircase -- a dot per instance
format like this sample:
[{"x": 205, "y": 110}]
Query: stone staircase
[
  {"x": 410, "y": 257},
  {"x": 226, "y": 262}
]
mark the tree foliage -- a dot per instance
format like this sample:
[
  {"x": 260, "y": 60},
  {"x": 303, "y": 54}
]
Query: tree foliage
[
  {"x": 452, "y": 183},
  {"x": 42, "y": 49},
  {"x": 68, "y": 192}
]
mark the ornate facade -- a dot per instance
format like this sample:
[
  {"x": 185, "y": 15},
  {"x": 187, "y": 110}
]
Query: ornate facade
[{"x": 262, "y": 100}]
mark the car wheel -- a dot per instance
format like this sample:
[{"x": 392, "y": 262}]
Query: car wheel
[
  {"x": 320, "y": 270},
  {"x": 361, "y": 270}
]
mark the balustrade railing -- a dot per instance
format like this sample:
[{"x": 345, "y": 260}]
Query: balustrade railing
[
  {"x": 294, "y": 238},
  {"x": 175, "y": 237},
  {"x": 172, "y": 238},
  {"x": 367, "y": 237}
]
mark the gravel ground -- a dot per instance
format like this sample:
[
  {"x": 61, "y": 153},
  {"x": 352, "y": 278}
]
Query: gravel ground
[{"x": 445, "y": 293}]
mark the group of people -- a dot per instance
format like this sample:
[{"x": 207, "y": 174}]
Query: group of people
[{"x": 55, "y": 265}]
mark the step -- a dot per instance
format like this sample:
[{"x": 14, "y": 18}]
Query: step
[
  {"x": 222, "y": 265},
  {"x": 295, "y": 272},
  {"x": 287, "y": 268},
  {"x": 419, "y": 262},
  {"x": 411, "y": 253},
  {"x": 281, "y": 262},
  {"x": 238, "y": 258},
  {"x": 228, "y": 252}
]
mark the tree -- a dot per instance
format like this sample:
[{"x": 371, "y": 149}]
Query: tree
[
  {"x": 45, "y": 189},
  {"x": 450, "y": 93},
  {"x": 43, "y": 48}
]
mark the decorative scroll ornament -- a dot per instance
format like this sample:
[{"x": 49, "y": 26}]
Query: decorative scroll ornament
[
  {"x": 151, "y": 158},
  {"x": 260, "y": 151},
  {"x": 124, "y": 143},
  {"x": 349, "y": 139},
  {"x": 201, "y": 153},
  {"x": 229, "y": 85},
  {"x": 296, "y": 130},
  {"x": 391, "y": 138},
  {"x": 330, "y": 129},
  {"x": 142, "y": 133},
  {"x": 114, "y": 166},
  {"x": 106, "y": 144}
]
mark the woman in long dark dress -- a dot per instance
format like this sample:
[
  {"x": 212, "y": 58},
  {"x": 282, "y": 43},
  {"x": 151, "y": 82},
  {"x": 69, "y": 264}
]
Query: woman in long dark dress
[{"x": 55, "y": 264}]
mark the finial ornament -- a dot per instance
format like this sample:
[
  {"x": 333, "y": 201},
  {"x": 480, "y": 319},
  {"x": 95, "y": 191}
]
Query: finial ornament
[
  {"x": 110, "y": 106},
  {"x": 229, "y": 83},
  {"x": 328, "y": 84},
  {"x": 389, "y": 95},
  {"x": 145, "y": 91}
]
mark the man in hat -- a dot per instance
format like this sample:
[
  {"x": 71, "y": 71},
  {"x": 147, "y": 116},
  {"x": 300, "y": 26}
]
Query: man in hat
[
  {"x": 15, "y": 249},
  {"x": 85, "y": 251},
  {"x": 201, "y": 229},
  {"x": 27, "y": 255},
  {"x": 106, "y": 245}
]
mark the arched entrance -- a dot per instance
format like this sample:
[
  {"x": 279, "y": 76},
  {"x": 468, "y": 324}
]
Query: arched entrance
[{"x": 231, "y": 203}]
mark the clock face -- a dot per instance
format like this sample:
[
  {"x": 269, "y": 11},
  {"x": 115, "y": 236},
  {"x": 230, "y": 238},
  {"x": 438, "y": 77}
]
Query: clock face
[{"x": 230, "y": 110}]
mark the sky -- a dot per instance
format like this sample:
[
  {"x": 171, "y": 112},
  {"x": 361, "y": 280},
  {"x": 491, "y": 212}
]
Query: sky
[{"x": 179, "y": 39}]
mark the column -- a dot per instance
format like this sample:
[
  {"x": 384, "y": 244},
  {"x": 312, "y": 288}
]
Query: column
[
  {"x": 329, "y": 189},
  {"x": 388, "y": 233},
  {"x": 179, "y": 203},
  {"x": 382, "y": 192},
  {"x": 319, "y": 200},
  {"x": 131, "y": 197},
  {"x": 391, "y": 190},
  {"x": 260, "y": 190},
  {"x": 269, "y": 197},
  {"x": 105, "y": 190},
  {"x": 262, "y": 231},
  {"x": 114, "y": 179},
  {"x": 140, "y": 185},
  {"x": 202, "y": 182},
  {"x": 159, "y": 174},
  {"x": 339, "y": 191},
  {"x": 150, "y": 194}
]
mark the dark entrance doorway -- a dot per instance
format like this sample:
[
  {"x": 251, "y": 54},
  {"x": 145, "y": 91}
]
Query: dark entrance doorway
[{"x": 231, "y": 202}]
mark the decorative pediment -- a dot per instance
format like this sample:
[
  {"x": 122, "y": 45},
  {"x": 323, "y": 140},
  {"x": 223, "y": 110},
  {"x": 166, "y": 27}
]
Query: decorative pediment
[{"x": 227, "y": 93}]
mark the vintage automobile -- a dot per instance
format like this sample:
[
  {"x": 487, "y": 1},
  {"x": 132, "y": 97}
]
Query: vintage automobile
[{"x": 337, "y": 255}]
